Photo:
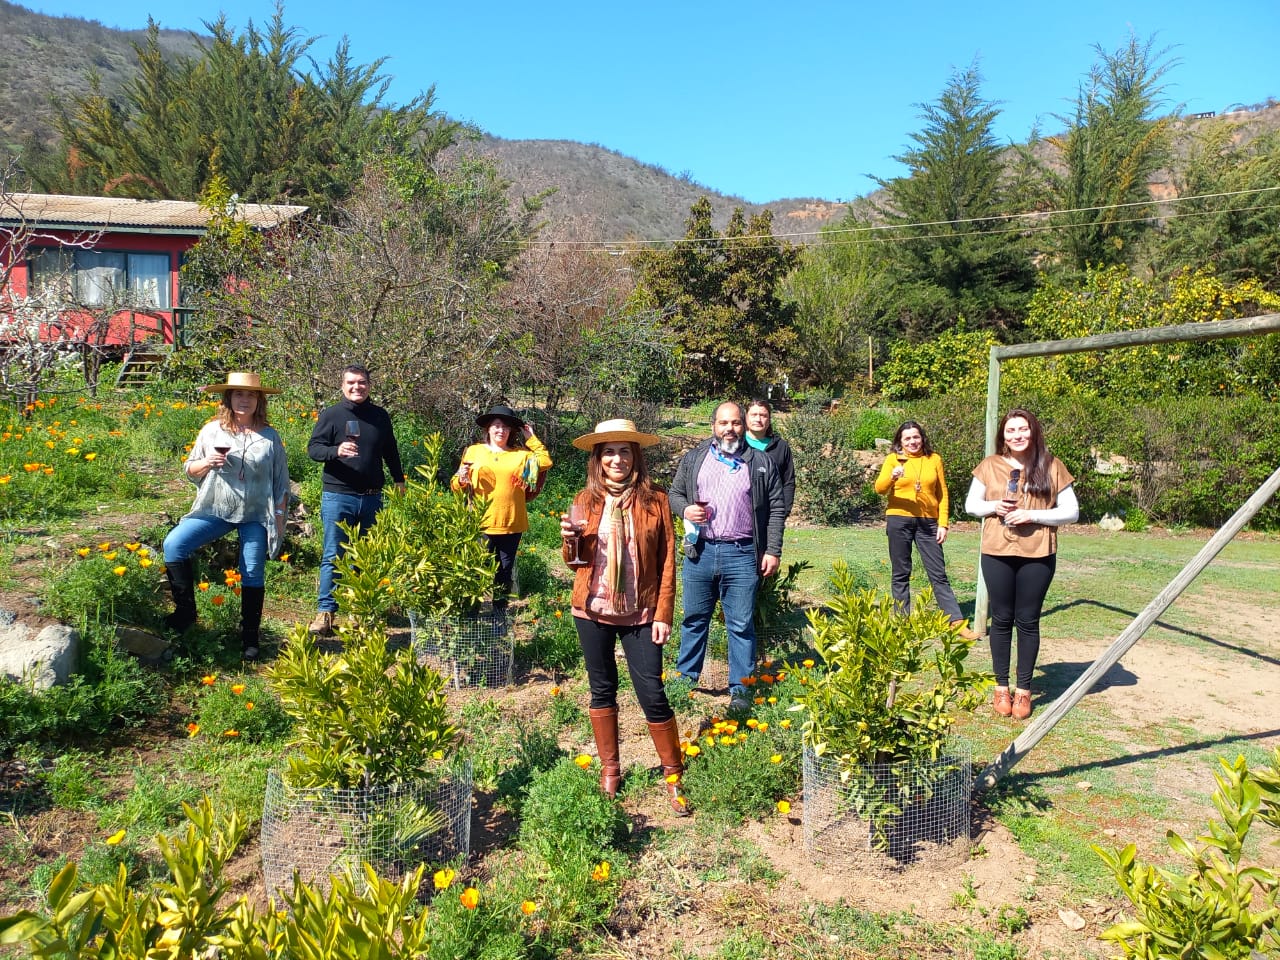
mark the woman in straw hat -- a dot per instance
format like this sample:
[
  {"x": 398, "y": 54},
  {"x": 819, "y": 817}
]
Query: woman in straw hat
[
  {"x": 241, "y": 474},
  {"x": 623, "y": 546},
  {"x": 506, "y": 472}
]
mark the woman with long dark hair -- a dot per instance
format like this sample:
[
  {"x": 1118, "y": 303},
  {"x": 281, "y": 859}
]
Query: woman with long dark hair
[
  {"x": 505, "y": 470},
  {"x": 919, "y": 513},
  {"x": 620, "y": 538},
  {"x": 241, "y": 474},
  {"x": 1024, "y": 494}
]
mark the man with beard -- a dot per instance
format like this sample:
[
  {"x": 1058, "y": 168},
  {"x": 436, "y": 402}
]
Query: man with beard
[{"x": 734, "y": 496}]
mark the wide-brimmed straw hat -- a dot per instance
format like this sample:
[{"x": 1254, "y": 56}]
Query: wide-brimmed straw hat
[
  {"x": 239, "y": 380},
  {"x": 500, "y": 411},
  {"x": 609, "y": 431}
]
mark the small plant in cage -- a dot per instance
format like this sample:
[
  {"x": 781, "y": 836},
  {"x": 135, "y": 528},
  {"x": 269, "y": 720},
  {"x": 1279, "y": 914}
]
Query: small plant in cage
[{"x": 884, "y": 706}]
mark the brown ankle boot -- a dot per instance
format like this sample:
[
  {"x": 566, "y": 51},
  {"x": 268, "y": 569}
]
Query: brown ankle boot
[
  {"x": 666, "y": 738},
  {"x": 604, "y": 724}
]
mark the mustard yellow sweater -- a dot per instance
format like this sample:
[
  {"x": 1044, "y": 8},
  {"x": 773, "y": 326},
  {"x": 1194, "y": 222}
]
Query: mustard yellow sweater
[
  {"x": 931, "y": 502},
  {"x": 497, "y": 476}
]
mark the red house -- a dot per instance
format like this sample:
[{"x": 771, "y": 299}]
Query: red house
[{"x": 93, "y": 252}]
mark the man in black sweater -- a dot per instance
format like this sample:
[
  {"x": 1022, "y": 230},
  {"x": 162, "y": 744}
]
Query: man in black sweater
[{"x": 353, "y": 439}]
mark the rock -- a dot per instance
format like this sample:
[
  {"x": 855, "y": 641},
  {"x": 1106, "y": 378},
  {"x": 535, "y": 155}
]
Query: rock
[
  {"x": 44, "y": 660},
  {"x": 1071, "y": 919},
  {"x": 1109, "y": 522},
  {"x": 142, "y": 643}
]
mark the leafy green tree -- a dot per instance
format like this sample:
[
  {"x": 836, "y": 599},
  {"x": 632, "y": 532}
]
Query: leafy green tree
[
  {"x": 842, "y": 292},
  {"x": 1099, "y": 172},
  {"x": 1235, "y": 228},
  {"x": 721, "y": 293},
  {"x": 953, "y": 254},
  {"x": 246, "y": 109}
]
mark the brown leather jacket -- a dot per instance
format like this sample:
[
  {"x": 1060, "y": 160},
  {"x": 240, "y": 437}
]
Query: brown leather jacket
[{"x": 655, "y": 557}]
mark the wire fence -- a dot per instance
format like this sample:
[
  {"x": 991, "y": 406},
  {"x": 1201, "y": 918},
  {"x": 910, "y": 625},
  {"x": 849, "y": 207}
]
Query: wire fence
[
  {"x": 473, "y": 651},
  {"x": 883, "y": 817},
  {"x": 315, "y": 833}
]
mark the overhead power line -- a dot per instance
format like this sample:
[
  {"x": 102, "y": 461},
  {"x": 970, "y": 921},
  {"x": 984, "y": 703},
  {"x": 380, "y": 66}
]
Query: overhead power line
[{"x": 1031, "y": 220}]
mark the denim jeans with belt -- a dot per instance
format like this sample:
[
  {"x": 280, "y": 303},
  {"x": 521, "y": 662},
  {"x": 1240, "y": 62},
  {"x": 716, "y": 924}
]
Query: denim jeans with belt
[
  {"x": 357, "y": 509},
  {"x": 724, "y": 571},
  {"x": 192, "y": 533}
]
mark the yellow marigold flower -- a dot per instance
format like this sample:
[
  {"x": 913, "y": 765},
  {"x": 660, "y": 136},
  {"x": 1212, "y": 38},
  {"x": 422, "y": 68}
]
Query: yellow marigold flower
[
  {"x": 72, "y": 452},
  {"x": 784, "y": 807},
  {"x": 753, "y": 722},
  {"x": 766, "y": 678},
  {"x": 203, "y": 585},
  {"x": 145, "y": 562},
  {"x": 48, "y": 471},
  {"x": 693, "y": 750},
  {"x": 284, "y": 558},
  {"x": 785, "y": 724},
  {"x": 218, "y": 601},
  {"x": 132, "y": 547},
  {"x": 726, "y": 739},
  {"x": 437, "y": 754},
  {"x": 808, "y": 663},
  {"x": 758, "y": 700},
  {"x": 111, "y": 555},
  {"x": 31, "y": 467},
  {"x": 237, "y": 688},
  {"x": 764, "y": 725},
  {"x": 91, "y": 456},
  {"x": 601, "y": 873},
  {"x": 559, "y": 613},
  {"x": 83, "y": 552},
  {"x": 50, "y": 444},
  {"x": 709, "y": 741},
  {"x": 248, "y": 705},
  {"x": 470, "y": 898},
  {"x": 193, "y": 729},
  {"x": 582, "y": 760},
  {"x": 555, "y": 691},
  {"x": 528, "y": 907},
  {"x": 144, "y": 552},
  {"x": 776, "y": 758},
  {"x": 772, "y": 700},
  {"x": 443, "y": 878},
  {"x": 748, "y": 681},
  {"x": 209, "y": 679},
  {"x": 120, "y": 571},
  {"x": 105, "y": 545},
  {"x": 115, "y": 838},
  {"x": 6, "y": 478},
  {"x": 231, "y": 733}
]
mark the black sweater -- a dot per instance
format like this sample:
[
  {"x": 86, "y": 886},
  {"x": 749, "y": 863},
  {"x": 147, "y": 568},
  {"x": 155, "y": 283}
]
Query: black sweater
[{"x": 377, "y": 443}]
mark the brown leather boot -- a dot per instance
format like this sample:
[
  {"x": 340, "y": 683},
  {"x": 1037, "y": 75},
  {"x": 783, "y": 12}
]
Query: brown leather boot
[
  {"x": 604, "y": 724},
  {"x": 666, "y": 738}
]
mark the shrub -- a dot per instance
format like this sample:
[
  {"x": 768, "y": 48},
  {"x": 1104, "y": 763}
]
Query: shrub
[
  {"x": 736, "y": 769},
  {"x": 553, "y": 639},
  {"x": 832, "y": 484},
  {"x": 566, "y": 815},
  {"x": 238, "y": 709},
  {"x": 109, "y": 582}
]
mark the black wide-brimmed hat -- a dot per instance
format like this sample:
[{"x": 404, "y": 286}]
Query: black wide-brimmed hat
[{"x": 500, "y": 411}]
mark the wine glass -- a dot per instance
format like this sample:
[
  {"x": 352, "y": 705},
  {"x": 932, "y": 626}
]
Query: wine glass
[
  {"x": 353, "y": 431},
  {"x": 577, "y": 520},
  {"x": 224, "y": 449},
  {"x": 1011, "y": 491}
]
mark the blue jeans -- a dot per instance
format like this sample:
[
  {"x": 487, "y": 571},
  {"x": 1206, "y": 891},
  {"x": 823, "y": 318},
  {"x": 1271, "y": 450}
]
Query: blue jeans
[
  {"x": 192, "y": 533},
  {"x": 354, "y": 508},
  {"x": 725, "y": 572}
]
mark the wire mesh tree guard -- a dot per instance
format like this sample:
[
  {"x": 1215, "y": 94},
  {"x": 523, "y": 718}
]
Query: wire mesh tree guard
[
  {"x": 886, "y": 816},
  {"x": 317, "y": 832},
  {"x": 471, "y": 651}
]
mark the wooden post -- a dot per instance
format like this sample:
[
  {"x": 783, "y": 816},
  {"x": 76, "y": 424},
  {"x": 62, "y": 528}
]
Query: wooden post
[
  {"x": 1049, "y": 717},
  {"x": 989, "y": 447}
]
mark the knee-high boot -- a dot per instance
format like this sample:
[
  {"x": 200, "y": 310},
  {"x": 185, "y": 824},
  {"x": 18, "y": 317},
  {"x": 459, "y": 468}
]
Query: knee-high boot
[
  {"x": 250, "y": 620},
  {"x": 604, "y": 724},
  {"x": 666, "y": 738},
  {"x": 182, "y": 585}
]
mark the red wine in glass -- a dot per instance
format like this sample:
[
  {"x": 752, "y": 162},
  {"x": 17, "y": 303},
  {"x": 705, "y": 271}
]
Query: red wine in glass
[
  {"x": 578, "y": 520},
  {"x": 1011, "y": 490},
  {"x": 223, "y": 449},
  {"x": 353, "y": 431}
]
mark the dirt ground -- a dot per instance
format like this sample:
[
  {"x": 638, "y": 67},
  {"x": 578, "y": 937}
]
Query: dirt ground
[{"x": 1225, "y": 684}]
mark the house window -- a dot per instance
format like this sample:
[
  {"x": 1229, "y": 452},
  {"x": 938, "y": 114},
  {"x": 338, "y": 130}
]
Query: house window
[{"x": 100, "y": 278}]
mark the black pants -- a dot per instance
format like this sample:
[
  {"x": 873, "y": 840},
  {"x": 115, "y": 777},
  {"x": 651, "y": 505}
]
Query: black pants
[
  {"x": 504, "y": 546},
  {"x": 644, "y": 662},
  {"x": 1016, "y": 587},
  {"x": 923, "y": 532}
]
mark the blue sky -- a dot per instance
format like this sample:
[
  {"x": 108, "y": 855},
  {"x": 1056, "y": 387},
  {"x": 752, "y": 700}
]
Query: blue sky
[{"x": 761, "y": 100}]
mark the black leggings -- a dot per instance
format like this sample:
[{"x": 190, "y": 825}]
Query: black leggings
[
  {"x": 644, "y": 662},
  {"x": 1016, "y": 587},
  {"x": 504, "y": 546}
]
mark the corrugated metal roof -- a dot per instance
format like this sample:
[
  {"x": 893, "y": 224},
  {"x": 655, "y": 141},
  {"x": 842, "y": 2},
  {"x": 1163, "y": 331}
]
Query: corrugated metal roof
[{"x": 50, "y": 211}]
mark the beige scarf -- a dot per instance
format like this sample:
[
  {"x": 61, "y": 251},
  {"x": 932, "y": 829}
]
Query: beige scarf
[{"x": 615, "y": 588}]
